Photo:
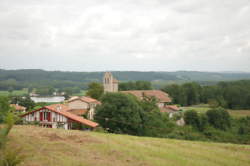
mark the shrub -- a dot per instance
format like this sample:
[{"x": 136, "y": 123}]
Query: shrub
[
  {"x": 219, "y": 118},
  {"x": 191, "y": 118}
]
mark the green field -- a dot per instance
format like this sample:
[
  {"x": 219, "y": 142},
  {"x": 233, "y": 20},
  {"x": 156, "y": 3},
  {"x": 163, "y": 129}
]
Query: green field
[
  {"x": 204, "y": 107},
  {"x": 57, "y": 147},
  {"x": 82, "y": 93},
  {"x": 14, "y": 93}
]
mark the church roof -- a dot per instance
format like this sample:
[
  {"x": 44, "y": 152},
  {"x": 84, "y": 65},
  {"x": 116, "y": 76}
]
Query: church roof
[{"x": 158, "y": 94}]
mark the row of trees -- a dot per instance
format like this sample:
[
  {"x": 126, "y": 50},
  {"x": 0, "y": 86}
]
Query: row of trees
[
  {"x": 135, "y": 85},
  {"x": 233, "y": 95}
]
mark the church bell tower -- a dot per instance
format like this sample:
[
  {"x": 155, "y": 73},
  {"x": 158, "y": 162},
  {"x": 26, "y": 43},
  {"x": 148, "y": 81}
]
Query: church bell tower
[{"x": 110, "y": 84}]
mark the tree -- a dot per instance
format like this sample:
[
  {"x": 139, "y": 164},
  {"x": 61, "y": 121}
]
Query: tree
[
  {"x": 4, "y": 108},
  {"x": 45, "y": 91},
  {"x": 154, "y": 123},
  {"x": 219, "y": 118},
  {"x": 191, "y": 118},
  {"x": 95, "y": 90},
  {"x": 120, "y": 113},
  {"x": 23, "y": 101},
  {"x": 137, "y": 85}
]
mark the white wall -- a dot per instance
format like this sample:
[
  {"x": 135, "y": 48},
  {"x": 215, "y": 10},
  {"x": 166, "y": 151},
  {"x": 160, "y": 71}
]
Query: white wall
[{"x": 78, "y": 104}]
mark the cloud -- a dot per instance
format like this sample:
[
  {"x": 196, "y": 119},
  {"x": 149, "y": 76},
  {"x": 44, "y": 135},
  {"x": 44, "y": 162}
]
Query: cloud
[{"x": 125, "y": 35}]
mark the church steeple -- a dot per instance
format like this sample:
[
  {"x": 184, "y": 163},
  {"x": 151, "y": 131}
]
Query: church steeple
[{"x": 110, "y": 84}]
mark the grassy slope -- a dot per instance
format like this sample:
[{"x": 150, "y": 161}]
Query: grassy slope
[
  {"x": 55, "y": 147},
  {"x": 204, "y": 108}
]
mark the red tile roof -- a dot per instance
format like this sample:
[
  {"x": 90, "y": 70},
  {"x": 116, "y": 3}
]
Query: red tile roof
[
  {"x": 63, "y": 110},
  {"x": 78, "y": 112},
  {"x": 69, "y": 115},
  {"x": 84, "y": 99},
  {"x": 170, "y": 108},
  {"x": 18, "y": 107},
  {"x": 158, "y": 94}
]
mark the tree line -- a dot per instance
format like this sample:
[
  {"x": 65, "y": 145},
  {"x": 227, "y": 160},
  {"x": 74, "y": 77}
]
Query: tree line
[{"x": 232, "y": 95}]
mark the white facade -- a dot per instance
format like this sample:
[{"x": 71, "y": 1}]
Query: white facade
[
  {"x": 54, "y": 121},
  {"x": 78, "y": 104}
]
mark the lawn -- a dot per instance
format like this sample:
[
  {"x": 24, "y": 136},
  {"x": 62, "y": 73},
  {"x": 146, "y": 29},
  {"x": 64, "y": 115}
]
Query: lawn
[
  {"x": 82, "y": 93},
  {"x": 14, "y": 93},
  {"x": 57, "y": 147},
  {"x": 203, "y": 108}
]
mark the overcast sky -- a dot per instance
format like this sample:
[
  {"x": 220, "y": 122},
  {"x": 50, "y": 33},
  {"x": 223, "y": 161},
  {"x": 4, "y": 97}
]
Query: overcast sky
[{"x": 155, "y": 35}]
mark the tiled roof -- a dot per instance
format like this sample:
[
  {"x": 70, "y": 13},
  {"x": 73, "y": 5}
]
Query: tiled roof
[
  {"x": 158, "y": 94},
  {"x": 18, "y": 107},
  {"x": 69, "y": 115},
  {"x": 78, "y": 112},
  {"x": 63, "y": 110},
  {"x": 84, "y": 99},
  {"x": 170, "y": 108}
]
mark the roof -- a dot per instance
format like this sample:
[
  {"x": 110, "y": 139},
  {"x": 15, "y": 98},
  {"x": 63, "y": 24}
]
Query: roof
[
  {"x": 158, "y": 94},
  {"x": 170, "y": 108},
  {"x": 78, "y": 112},
  {"x": 115, "y": 80},
  {"x": 63, "y": 110},
  {"x": 18, "y": 107},
  {"x": 84, "y": 99}
]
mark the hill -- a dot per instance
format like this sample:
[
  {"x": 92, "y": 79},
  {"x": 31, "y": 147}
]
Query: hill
[
  {"x": 19, "y": 79},
  {"x": 55, "y": 147}
]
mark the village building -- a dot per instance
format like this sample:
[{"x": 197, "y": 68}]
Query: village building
[
  {"x": 110, "y": 84},
  {"x": 18, "y": 108},
  {"x": 57, "y": 116},
  {"x": 82, "y": 106}
]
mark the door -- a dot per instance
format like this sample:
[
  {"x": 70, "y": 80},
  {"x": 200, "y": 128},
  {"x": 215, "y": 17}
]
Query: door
[
  {"x": 41, "y": 116},
  {"x": 49, "y": 116}
]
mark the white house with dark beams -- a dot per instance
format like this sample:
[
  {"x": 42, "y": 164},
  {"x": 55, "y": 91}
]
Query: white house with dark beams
[{"x": 56, "y": 116}]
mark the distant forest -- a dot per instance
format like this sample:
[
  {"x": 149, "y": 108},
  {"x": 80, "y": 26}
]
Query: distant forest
[{"x": 35, "y": 78}]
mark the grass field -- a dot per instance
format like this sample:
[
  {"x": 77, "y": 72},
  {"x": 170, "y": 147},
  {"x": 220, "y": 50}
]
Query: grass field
[
  {"x": 82, "y": 93},
  {"x": 203, "y": 108},
  {"x": 57, "y": 147},
  {"x": 14, "y": 93}
]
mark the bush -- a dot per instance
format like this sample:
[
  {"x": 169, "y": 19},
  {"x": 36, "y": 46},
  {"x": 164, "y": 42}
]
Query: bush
[
  {"x": 219, "y": 118},
  {"x": 11, "y": 157},
  {"x": 191, "y": 118},
  {"x": 187, "y": 133}
]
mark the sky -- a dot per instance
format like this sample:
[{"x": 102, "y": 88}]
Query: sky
[{"x": 125, "y": 35}]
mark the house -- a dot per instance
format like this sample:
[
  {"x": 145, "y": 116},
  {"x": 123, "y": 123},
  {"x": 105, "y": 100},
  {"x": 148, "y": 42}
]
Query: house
[
  {"x": 110, "y": 84},
  {"x": 83, "y": 106},
  {"x": 161, "y": 97},
  {"x": 18, "y": 108},
  {"x": 57, "y": 116}
]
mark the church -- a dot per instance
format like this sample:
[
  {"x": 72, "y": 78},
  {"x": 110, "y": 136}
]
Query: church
[{"x": 111, "y": 84}]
